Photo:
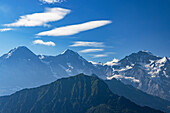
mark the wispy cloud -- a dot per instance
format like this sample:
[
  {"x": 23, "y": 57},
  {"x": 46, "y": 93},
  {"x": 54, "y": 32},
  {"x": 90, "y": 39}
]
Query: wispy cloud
[
  {"x": 6, "y": 29},
  {"x": 100, "y": 55},
  {"x": 41, "y": 19},
  {"x": 50, "y": 43},
  {"x": 105, "y": 54},
  {"x": 52, "y": 1},
  {"x": 74, "y": 29},
  {"x": 87, "y": 44},
  {"x": 91, "y": 50}
]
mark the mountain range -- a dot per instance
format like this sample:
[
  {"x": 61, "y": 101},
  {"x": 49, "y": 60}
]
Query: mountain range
[
  {"x": 146, "y": 72},
  {"x": 21, "y": 68},
  {"x": 78, "y": 94}
]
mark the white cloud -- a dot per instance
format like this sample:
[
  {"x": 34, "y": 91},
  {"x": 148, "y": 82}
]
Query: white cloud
[
  {"x": 50, "y": 43},
  {"x": 93, "y": 62},
  {"x": 74, "y": 29},
  {"x": 91, "y": 50},
  {"x": 100, "y": 55},
  {"x": 52, "y": 1},
  {"x": 41, "y": 19},
  {"x": 5, "y": 29},
  {"x": 113, "y": 62},
  {"x": 87, "y": 44}
]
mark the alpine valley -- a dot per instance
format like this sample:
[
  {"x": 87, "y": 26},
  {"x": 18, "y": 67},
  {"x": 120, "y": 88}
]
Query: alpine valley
[{"x": 140, "y": 74}]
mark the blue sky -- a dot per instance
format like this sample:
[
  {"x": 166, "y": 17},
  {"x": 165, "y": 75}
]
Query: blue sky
[{"x": 99, "y": 30}]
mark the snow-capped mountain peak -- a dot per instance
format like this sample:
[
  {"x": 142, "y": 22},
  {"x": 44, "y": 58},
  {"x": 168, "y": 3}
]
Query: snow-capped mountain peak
[
  {"x": 19, "y": 54},
  {"x": 143, "y": 70},
  {"x": 20, "y": 51},
  {"x": 138, "y": 58},
  {"x": 157, "y": 67},
  {"x": 163, "y": 60}
]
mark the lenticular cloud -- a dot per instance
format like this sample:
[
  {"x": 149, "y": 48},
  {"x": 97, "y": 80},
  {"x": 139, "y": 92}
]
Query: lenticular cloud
[
  {"x": 41, "y": 19},
  {"x": 75, "y": 29}
]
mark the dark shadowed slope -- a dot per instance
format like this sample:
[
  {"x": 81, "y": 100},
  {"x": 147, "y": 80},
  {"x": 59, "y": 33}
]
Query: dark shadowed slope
[
  {"x": 78, "y": 94},
  {"x": 138, "y": 96}
]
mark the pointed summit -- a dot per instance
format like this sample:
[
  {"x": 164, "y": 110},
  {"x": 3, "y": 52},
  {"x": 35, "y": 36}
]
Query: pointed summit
[
  {"x": 139, "y": 57},
  {"x": 69, "y": 51},
  {"x": 19, "y": 52},
  {"x": 20, "y": 48},
  {"x": 71, "y": 55},
  {"x": 145, "y": 52}
]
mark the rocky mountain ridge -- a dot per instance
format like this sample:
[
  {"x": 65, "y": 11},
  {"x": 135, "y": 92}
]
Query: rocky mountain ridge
[{"x": 22, "y": 69}]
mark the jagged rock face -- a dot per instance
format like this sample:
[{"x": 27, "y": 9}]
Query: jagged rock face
[
  {"x": 22, "y": 68},
  {"x": 78, "y": 94},
  {"x": 136, "y": 58},
  {"x": 146, "y": 72},
  {"x": 67, "y": 64},
  {"x": 71, "y": 63},
  {"x": 142, "y": 70}
]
